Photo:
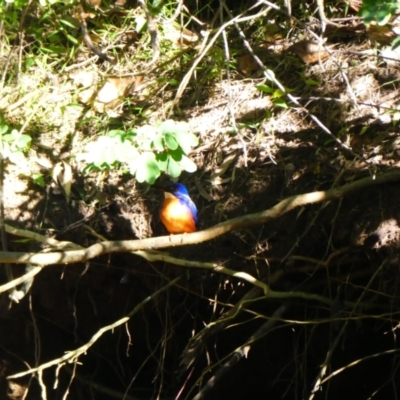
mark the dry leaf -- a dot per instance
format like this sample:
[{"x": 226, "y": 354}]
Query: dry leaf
[
  {"x": 179, "y": 36},
  {"x": 247, "y": 64},
  {"x": 62, "y": 175},
  {"x": 112, "y": 93},
  {"x": 310, "y": 52}
]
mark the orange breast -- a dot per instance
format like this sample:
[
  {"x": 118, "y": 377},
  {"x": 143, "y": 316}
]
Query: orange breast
[{"x": 176, "y": 217}]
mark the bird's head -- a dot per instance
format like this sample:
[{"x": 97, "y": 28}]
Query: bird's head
[{"x": 176, "y": 189}]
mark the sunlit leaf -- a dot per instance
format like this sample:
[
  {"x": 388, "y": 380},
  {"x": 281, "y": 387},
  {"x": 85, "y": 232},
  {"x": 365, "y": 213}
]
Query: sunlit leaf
[
  {"x": 186, "y": 140},
  {"x": 265, "y": 88},
  {"x": 140, "y": 22},
  {"x": 174, "y": 169},
  {"x": 170, "y": 141},
  {"x": 116, "y": 133},
  {"x": 38, "y": 179},
  {"x": 396, "y": 43},
  {"x": 158, "y": 143},
  {"x": 162, "y": 160},
  {"x": 187, "y": 164},
  {"x": 168, "y": 126},
  {"x": 147, "y": 169},
  {"x": 280, "y": 103},
  {"x": 8, "y": 138},
  {"x": 126, "y": 152},
  {"x": 277, "y": 94},
  {"x": 23, "y": 142},
  {"x": 312, "y": 82}
]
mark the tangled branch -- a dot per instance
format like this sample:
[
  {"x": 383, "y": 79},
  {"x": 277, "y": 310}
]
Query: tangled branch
[{"x": 260, "y": 218}]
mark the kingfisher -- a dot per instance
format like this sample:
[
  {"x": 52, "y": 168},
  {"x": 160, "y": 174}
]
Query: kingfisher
[{"x": 178, "y": 212}]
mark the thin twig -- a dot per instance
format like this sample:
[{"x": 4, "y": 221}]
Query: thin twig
[{"x": 73, "y": 355}]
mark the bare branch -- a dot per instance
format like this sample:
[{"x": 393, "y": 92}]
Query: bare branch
[{"x": 260, "y": 218}]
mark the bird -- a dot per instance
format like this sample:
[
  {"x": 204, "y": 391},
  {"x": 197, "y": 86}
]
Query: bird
[{"x": 178, "y": 213}]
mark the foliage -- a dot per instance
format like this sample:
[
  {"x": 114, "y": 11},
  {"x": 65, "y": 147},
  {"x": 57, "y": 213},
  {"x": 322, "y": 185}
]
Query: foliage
[
  {"x": 14, "y": 143},
  {"x": 38, "y": 179},
  {"x": 277, "y": 95},
  {"x": 145, "y": 152},
  {"x": 380, "y": 11}
]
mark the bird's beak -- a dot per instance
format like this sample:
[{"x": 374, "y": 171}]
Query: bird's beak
[{"x": 167, "y": 194}]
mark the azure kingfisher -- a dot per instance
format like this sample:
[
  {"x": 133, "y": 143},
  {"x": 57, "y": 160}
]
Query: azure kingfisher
[{"x": 178, "y": 212}]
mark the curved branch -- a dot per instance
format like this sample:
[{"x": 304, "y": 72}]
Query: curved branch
[
  {"x": 21, "y": 279},
  {"x": 149, "y": 256},
  {"x": 284, "y": 206}
]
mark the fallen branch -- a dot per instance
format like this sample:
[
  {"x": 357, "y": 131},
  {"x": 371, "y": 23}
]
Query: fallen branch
[{"x": 284, "y": 206}]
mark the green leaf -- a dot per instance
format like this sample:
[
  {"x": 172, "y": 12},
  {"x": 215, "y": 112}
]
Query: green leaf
[
  {"x": 131, "y": 134},
  {"x": 162, "y": 161},
  {"x": 8, "y": 138},
  {"x": 383, "y": 19},
  {"x": 158, "y": 143},
  {"x": 277, "y": 94},
  {"x": 70, "y": 23},
  {"x": 140, "y": 21},
  {"x": 312, "y": 82},
  {"x": 147, "y": 168},
  {"x": 380, "y": 11},
  {"x": 116, "y": 133},
  {"x": 168, "y": 126},
  {"x": 3, "y": 129},
  {"x": 22, "y": 241},
  {"x": 280, "y": 103},
  {"x": 38, "y": 179},
  {"x": 126, "y": 152},
  {"x": 170, "y": 141},
  {"x": 110, "y": 155},
  {"x": 23, "y": 142},
  {"x": 396, "y": 43},
  {"x": 265, "y": 88},
  {"x": 72, "y": 39},
  {"x": 187, "y": 164},
  {"x": 174, "y": 169},
  {"x": 186, "y": 140}
]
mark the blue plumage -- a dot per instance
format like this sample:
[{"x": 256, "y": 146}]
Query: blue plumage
[
  {"x": 179, "y": 190},
  {"x": 178, "y": 212}
]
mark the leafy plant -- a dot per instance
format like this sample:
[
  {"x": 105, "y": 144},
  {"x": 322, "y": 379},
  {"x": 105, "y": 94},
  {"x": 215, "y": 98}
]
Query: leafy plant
[
  {"x": 13, "y": 144},
  {"x": 277, "y": 95},
  {"x": 38, "y": 179},
  {"x": 380, "y": 11},
  {"x": 145, "y": 152}
]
